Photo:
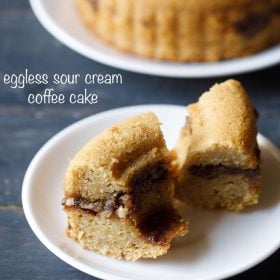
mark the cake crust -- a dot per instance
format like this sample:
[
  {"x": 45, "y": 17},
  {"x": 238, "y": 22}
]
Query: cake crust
[
  {"x": 223, "y": 119},
  {"x": 113, "y": 155}
]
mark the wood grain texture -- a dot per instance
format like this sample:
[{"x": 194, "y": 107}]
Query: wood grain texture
[
  {"x": 24, "y": 257},
  {"x": 24, "y": 128}
]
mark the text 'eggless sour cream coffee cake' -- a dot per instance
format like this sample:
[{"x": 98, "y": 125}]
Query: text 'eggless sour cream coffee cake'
[{"x": 184, "y": 30}]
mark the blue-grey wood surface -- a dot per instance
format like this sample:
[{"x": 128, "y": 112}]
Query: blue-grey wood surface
[{"x": 24, "y": 128}]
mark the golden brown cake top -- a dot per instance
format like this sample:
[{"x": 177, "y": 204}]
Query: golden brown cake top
[
  {"x": 223, "y": 127},
  {"x": 122, "y": 143},
  {"x": 104, "y": 164},
  {"x": 201, "y": 5}
]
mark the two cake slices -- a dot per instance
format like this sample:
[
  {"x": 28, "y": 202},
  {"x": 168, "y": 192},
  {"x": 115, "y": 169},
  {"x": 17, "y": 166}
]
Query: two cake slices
[{"x": 119, "y": 189}]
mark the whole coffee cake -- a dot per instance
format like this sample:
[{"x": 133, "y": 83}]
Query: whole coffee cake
[{"x": 184, "y": 30}]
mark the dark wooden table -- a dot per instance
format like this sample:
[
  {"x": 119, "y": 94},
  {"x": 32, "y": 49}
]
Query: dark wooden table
[{"x": 25, "y": 128}]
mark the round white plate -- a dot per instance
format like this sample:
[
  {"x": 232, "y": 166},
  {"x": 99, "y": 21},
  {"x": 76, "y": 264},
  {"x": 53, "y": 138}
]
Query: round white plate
[
  {"x": 60, "y": 18},
  {"x": 220, "y": 244}
]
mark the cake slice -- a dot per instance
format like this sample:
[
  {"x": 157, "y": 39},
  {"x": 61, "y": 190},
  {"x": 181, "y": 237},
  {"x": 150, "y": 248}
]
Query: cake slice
[
  {"x": 217, "y": 155},
  {"x": 119, "y": 192}
]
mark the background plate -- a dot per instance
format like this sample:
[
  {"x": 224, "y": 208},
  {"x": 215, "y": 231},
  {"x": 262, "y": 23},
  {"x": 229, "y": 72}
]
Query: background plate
[
  {"x": 220, "y": 244},
  {"x": 60, "y": 18}
]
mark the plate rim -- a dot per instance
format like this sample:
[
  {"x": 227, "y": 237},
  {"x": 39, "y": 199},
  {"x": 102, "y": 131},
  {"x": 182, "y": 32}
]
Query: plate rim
[
  {"x": 26, "y": 190},
  {"x": 258, "y": 61}
]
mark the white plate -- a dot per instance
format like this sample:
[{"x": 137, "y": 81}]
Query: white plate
[
  {"x": 61, "y": 20},
  {"x": 220, "y": 244}
]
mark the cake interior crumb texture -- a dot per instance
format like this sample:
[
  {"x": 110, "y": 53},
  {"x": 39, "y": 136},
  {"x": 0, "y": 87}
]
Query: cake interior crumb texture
[
  {"x": 217, "y": 157},
  {"x": 119, "y": 192}
]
